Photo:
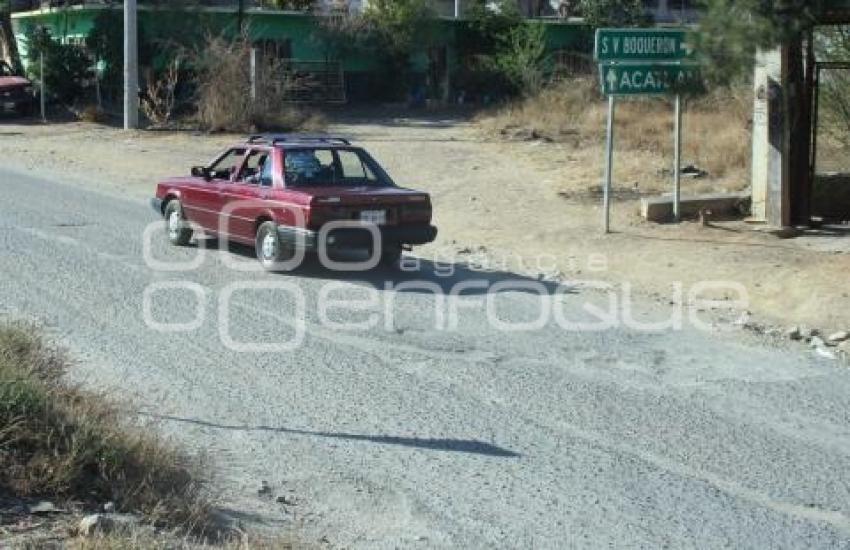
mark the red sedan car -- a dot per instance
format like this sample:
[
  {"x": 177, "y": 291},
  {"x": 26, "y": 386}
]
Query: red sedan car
[
  {"x": 16, "y": 92},
  {"x": 280, "y": 192}
]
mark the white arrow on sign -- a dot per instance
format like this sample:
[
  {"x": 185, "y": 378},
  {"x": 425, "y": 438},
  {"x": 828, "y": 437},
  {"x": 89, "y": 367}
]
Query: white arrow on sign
[
  {"x": 612, "y": 80},
  {"x": 687, "y": 48}
]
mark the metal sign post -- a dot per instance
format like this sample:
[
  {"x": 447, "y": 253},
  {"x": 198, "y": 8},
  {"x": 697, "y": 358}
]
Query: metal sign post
[
  {"x": 645, "y": 62},
  {"x": 609, "y": 165},
  {"x": 677, "y": 160},
  {"x": 43, "y": 88}
]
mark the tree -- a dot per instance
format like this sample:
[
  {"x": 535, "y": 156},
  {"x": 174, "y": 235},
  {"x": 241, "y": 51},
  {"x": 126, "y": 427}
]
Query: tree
[
  {"x": 520, "y": 57},
  {"x": 8, "y": 45},
  {"x": 730, "y": 34},
  {"x": 488, "y": 25},
  {"x": 731, "y": 31},
  {"x": 398, "y": 29},
  {"x": 613, "y": 13},
  {"x": 340, "y": 34},
  {"x": 502, "y": 52},
  {"x": 400, "y": 26},
  {"x": 66, "y": 67}
]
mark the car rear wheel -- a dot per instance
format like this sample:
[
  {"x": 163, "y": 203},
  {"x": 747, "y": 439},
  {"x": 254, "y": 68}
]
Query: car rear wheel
[
  {"x": 179, "y": 232},
  {"x": 25, "y": 109},
  {"x": 271, "y": 250},
  {"x": 391, "y": 256}
]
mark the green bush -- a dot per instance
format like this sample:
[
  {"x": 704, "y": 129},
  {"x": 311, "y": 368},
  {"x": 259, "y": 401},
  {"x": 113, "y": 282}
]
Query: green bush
[
  {"x": 613, "y": 13},
  {"x": 398, "y": 29},
  {"x": 521, "y": 56},
  {"x": 502, "y": 53},
  {"x": 67, "y": 67}
]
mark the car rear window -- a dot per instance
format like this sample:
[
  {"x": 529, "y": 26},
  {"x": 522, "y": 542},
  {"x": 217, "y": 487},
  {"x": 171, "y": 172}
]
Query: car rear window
[{"x": 318, "y": 166}]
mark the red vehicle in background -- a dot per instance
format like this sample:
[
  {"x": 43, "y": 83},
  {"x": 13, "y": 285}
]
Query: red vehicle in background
[
  {"x": 278, "y": 192},
  {"x": 16, "y": 92}
]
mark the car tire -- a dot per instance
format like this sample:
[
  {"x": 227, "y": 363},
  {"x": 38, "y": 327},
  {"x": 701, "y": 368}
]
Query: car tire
[
  {"x": 271, "y": 250},
  {"x": 391, "y": 256},
  {"x": 176, "y": 226},
  {"x": 25, "y": 109}
]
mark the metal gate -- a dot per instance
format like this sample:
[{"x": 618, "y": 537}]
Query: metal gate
[
  {"x": 314, "y": 81},
  {"x": 830, "y": 157}
]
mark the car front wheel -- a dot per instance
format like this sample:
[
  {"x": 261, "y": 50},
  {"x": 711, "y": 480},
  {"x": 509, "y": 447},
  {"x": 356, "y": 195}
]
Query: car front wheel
[{"x": 179, "y": 232}]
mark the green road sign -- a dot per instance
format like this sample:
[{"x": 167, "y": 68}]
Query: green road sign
[
  {"x": 649, "y": 78},
  {"x": 642, "y": 45}
]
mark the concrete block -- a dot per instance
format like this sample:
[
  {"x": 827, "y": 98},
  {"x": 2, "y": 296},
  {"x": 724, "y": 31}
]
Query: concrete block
[{"x": 722, "y": 206}]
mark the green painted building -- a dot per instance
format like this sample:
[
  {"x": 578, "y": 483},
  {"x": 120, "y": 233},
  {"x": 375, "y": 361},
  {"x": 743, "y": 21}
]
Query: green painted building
[{"x": 294, "y": 36}]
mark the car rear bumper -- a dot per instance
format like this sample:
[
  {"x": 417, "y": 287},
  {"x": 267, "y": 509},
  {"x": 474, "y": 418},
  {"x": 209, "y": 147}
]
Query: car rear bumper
[
  {"x": 15, "y": 105},
  {"x": 352, "y": 237}
]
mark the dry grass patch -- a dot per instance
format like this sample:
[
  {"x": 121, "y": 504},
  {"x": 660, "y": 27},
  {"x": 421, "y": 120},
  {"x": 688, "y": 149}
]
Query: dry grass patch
[
  {"x": 716, "y": 127},
  {"x": 146, "y": 540},
  {"x": 60, "y": 441}
]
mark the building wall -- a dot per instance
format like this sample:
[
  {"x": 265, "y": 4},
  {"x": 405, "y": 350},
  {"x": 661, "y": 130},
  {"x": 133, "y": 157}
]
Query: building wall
[{"x": 73, "y": 24}]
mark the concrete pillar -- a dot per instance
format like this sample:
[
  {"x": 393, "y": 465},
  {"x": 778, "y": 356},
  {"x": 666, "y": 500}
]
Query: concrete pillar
[
  {"x": 131, "y": 67},
  {"x": 770, "y": 140}
]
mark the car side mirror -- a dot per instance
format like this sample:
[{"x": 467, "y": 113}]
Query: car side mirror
[{"x": 201, "y": 172}]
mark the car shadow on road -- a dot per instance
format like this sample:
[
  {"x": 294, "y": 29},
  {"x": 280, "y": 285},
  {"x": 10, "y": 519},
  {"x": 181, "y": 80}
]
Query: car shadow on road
[
  {"x": 420, "y": 276},
  {"x": 452, "y": 445}
]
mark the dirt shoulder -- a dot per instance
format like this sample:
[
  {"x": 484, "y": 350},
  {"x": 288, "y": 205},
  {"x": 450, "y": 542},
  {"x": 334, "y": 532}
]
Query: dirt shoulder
[{"x": 528, "y": 206}]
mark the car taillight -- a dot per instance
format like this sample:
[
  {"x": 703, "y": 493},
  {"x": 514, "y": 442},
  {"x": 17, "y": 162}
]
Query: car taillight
[
  {"x": 320, "y": 215},
  {"x": 416, "y": 212}
]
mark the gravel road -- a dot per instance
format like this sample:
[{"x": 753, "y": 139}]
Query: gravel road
[{"x": 413, "y": 436}]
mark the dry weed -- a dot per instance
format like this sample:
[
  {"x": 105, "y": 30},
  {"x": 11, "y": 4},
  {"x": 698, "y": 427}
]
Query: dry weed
[
  {"x": 716, "y": 127},
  {"x": 56, "y": 439},
  {"x": 93, "y": 114},
  {"x": 225, "y": 102}
]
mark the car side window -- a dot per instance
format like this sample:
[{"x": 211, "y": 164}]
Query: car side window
[
  {"x": 266, "y": 177},
  {"x": 353, "y": 167},
  {"x": 310, "y": 167},
  {"x": 227, "y": 165},
  {"x": 253, "y": 167}
]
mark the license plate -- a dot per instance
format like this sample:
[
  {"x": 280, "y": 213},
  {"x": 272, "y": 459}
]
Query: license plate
[{"x": 378, "y": 217}]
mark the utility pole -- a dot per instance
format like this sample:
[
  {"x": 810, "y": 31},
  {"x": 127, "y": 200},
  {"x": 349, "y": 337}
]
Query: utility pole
[
  {"x": 42, "y": 88},
  {"x": 457, "y": 9},
  {"x": 131, "y": 66}
]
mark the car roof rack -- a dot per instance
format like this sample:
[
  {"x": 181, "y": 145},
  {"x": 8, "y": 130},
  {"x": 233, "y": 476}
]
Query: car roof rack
[{"x": 273, "y": 139}]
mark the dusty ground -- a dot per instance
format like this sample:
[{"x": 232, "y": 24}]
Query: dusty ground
[
  {"x": 410, "y": 433},
  {"x": 530, "y": 207}
]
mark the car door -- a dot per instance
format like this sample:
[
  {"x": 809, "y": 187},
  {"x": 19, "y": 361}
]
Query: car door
[
  {"x": 243, "y": 196},
  {"x": 206, "y": 200}
]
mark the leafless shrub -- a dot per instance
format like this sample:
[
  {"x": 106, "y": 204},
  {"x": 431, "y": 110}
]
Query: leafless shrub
[
  {"x": 159, "y": 100},
  {"x": 93, "y": 113},
  {"x": 226, "y": 101}
]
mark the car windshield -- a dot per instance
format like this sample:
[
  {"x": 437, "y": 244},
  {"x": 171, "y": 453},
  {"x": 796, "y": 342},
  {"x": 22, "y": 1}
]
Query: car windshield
[
  {"x": 337, "y": 167},
  {"x": 5, "y": 70}
]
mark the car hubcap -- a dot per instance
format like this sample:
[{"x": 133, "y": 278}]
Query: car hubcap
[
  {"x": 174, "y": 223},
  {"x": 268, "y": 246}
]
